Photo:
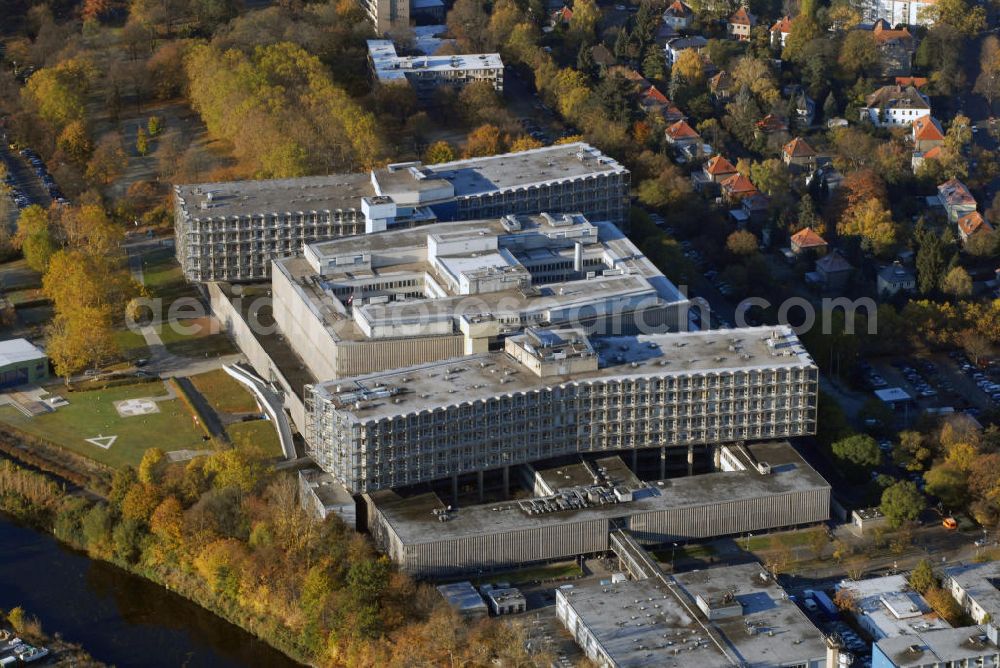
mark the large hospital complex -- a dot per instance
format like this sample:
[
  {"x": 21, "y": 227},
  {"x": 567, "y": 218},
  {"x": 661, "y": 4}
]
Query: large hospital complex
[{"x": 487, "y": 372}]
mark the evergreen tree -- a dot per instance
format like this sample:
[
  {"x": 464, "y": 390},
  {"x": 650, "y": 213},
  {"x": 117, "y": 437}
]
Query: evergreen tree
[
  {"x": 930, "y": 258},
  {"x": 621, "y": 43},
  {"x": 585, "y": 60},
  {"x": 830, "y": 106}
]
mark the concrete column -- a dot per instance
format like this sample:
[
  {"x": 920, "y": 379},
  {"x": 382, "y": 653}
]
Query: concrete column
[
  {"x": 506, "y": 482},
  {"x": 454, "y": 489},
  {"x": 663, "y": 462},
  {"x": 691, "y": 460},
  {"x": 480, "y": 476}
]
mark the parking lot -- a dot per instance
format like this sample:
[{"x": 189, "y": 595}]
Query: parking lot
[
  {"x": 938, "y": 383},
  {"x": 28, "y": 179}
]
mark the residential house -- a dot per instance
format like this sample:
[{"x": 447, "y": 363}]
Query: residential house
[
  {"x": 780, "y": 32},
  {"x": 718, "y": 169},
  {"x": 834, "y": 271},
  {"x": 895, "y": 278},
  {"x": 561, "y": 16},
  {"x": 771, "y": 124},
  {"x": 740, "y": 23},
  {"x": 678, "y": 45},
  {"x": 892, "y": 106},
  {"x": 737, "y": 187},
  {"x": 715, "y": 170},
  {"x": 956, "y": 199},
  {"x": 895, "y": 49},
  {"x": 678, "y": 15},
  {"x": 918, "y": 159},
  {"x": 916, "y": 82},
  {"x": 972, "y": 224},
  {"x": 805, "y": 108},
  {"x": 681, "y": 134},
  {"x": 807, "y": 240},
  {"x": 927, "y": 134},
  {"x": 799, "y": 155},
  {"x": 639, "y": 82},
  {"x": 756, "y": 207},
  {"x": 655, "y": 102},
  {"x": 721, "y": 86}
]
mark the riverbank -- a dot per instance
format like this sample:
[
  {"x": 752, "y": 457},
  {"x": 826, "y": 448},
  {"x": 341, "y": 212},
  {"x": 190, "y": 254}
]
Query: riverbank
[{"x": 60, "y": 652}]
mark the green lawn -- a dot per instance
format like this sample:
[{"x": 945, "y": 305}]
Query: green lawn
[
  {"x": 785, "y": 538},
  {"x": 92, "y": 413},
  {"x": 223, "y": 392},
  {"x": 557, "y": 571},
  {"x": 132, "y": 344},
  {"x": 164, "y": 278},
  {"x": 194, "y": 338},
  {"x": 259, "y": 434}
]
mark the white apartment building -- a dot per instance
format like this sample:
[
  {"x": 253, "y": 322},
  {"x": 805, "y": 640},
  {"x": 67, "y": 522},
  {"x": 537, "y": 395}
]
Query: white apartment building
[
  {"x": 894, "y": 106},
  {"x": 491, "y": 411},
  {"x": 232, "y": 231},
  {"x": 426, "y": 73},
  {"x": 898, "y": 12}
]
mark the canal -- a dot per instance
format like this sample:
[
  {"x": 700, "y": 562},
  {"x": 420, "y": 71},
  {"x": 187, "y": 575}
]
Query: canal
[{"x": 119, "y": 618}]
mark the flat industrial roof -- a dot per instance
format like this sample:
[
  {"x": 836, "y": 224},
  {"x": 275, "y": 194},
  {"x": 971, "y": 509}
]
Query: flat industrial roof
[
  {"x": 893, "y": 607},
  {"x": 977, "y": 581},
  {"x": 389, "y": 65},
  {"x": 479, "y": 377},
  {"x": 412, "y": 519},
  {"x": 474, "y": 176},
  {"x": 16, "y": 351},
  {"x": 648, "y": 623},
  {"x": 939, "y": 647},
  {"x": 547, "y": 164},
  {"x": 277, "y": 196},
  {"x": 783, "y": 633}
]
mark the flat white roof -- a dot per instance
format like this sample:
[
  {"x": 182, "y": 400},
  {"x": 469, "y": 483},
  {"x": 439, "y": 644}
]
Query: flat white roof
[
  {"x": 893, "y": 394},
  {"x": 389, "y": 66},
  {"x": 14, "y": 351}
]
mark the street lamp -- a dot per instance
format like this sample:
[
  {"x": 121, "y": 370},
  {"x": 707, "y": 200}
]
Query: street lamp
[{"x": 749, "y": 536}]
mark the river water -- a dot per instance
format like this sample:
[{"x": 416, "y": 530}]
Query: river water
[{"x": 119, "y": 618}]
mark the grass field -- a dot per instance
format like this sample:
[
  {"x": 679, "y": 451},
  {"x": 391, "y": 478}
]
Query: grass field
[
  {"x": 195, "y": 338},
  {"x": 132, "y": 344},
  {"x": 93, "y": 413},
  {"x": 257, "y": 433},
  {"x": 163, "y": 276},
  {"x": 784, "y": 539},
  {"x": 223, "y": 393}
]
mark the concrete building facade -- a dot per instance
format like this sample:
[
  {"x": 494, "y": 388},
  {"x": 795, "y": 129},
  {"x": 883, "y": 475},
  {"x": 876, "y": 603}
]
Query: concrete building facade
[
  {"x": 406, "y": 297},
  {"x": 427, "y": 73},
  {"x": 232, "y": 231},
  {"x": 488, "y": 411}
]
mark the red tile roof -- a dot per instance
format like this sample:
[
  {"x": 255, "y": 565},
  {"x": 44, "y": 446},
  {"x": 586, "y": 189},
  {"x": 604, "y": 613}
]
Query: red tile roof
[
  {"x": 681, "y": 130},
  {"x": 772, "y": 123},
  {"x": 973, "y": 222},
  {"x": 654, "y": 95},
  {"x": 737, "y": 184},
  {"x": 783, "y": 26},
  {"x": 565, "y": 14},
  {"x": 799, "y": 148},
  {"x": 926, "y": 128},
  {"x": 933, "y": 153},
  {"x": 807, "y": 238},
  {"x": 741, "y": 17},
  {"x": 916, "y": 82},
  {"x": 679, "y": 9},
  {"x": 883, "y": 33},
  {"x": 717, "y": 165}
]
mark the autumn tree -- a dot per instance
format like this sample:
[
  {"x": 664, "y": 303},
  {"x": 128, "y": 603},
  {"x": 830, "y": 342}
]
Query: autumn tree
[
  {"x": 873, "y": 223},
  {"x": 988, "y": 81},
  {"x": 438, "y": 152},
  {"x": 483, "y": 141},
  {"x": 960, "y": 14},
  {"x": 141, "y": 142},
  {"x": 922, "y": 577},
  {"x": 108, "y": 161},
  {"x": 742, "y": 243},
  {"x": 34, "y": 237},
  {"x": 75, "y": 143},
  {"x": 586, "y": 16},
  {"x": 957, "y": 283},
  {"x": 689, "y": 68},
  {"x": 524, "y": 143},
  {"x": 669, "y": 190},
  {"x": 58, "y": 94},
  {"x": 858, "y": 53}
]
